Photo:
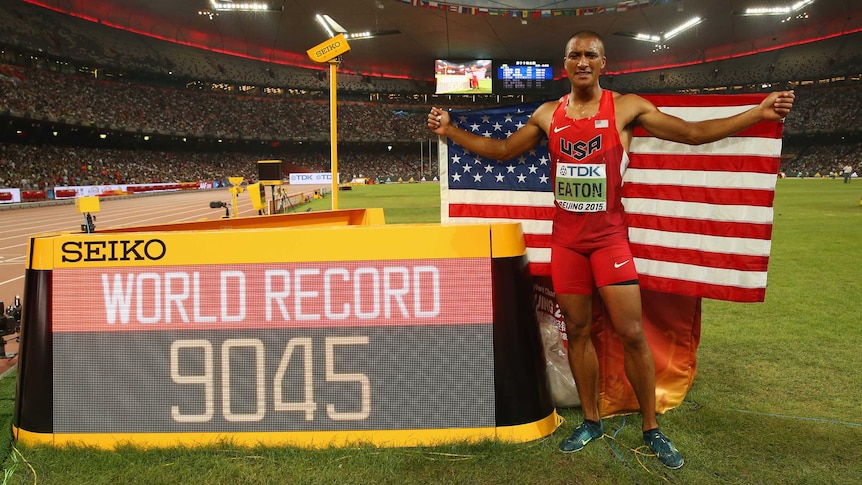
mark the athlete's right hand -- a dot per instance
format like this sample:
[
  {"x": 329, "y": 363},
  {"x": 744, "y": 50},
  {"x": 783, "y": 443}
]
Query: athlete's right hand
[{"x": 438, "y": 120}]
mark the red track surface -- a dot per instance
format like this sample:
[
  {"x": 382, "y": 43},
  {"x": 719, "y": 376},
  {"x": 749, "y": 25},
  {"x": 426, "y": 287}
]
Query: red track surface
[{"x": 19, "y": 222}]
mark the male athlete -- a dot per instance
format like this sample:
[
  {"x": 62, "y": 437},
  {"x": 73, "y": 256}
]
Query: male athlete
[{"x": 589, "y": 131}]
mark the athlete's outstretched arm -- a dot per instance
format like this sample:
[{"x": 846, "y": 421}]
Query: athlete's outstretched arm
[
  {"x": 526, "y": 138},
  {"x": 773, "y": 108}
]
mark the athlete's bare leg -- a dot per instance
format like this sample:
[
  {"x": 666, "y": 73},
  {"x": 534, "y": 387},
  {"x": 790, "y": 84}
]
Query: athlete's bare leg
[
  {"x": 578, "y": 315},
  {"x": 623, "y": 304}
]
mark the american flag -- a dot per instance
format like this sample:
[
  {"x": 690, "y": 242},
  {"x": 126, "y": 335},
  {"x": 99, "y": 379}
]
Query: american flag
[{"x": 700, "y": 217}]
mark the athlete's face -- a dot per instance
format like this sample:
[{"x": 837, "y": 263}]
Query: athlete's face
[{"x": 585, "y": 60}]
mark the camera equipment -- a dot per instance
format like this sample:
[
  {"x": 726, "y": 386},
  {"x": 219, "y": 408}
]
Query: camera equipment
[
  {"x": 10, "y": 324},
  {"x": 87, "y": 206},
  {"x": 216, "y": 204},
  {"x": 89, "y": 224}
]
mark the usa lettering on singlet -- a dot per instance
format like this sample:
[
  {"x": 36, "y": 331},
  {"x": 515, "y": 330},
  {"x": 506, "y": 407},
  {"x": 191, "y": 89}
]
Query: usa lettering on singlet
[{"x": 581, "y": 187}]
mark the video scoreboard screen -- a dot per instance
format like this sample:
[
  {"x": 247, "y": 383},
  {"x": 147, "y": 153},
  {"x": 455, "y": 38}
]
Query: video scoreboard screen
[
  {"x": 471, "y": 76},
  {"x": 523, "y": 77}
]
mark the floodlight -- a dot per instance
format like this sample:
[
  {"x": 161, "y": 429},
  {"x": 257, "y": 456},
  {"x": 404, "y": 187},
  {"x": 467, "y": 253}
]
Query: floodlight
[
  {"x": 371, "y": 34},
  {"x": 682, "y": 28},
  {"x": 228, "y": 6},
  {"x": 784, "y": 10},
  {"x": 331, "y": 27},
  {"x": 647, "y": 37},
  {"x": 656, "y": 39}
]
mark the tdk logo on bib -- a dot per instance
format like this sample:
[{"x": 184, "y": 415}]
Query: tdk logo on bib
[{"x": 581, "y": 171}]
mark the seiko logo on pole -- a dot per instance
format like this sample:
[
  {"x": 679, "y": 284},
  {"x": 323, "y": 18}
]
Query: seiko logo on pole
[
  {"x": 122, "y": 250},
  {"x": 329, "y": 49}
]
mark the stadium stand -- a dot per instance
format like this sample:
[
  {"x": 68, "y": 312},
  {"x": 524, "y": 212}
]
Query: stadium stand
[{"x": 64, "y": 82}]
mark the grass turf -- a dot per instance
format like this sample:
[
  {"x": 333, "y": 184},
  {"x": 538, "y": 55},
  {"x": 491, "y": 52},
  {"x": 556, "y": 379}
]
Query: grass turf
[{"x": 775, "y": 401}]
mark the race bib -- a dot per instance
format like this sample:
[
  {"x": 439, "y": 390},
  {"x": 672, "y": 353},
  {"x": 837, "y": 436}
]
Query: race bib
[{"x": 581, "y": 187}]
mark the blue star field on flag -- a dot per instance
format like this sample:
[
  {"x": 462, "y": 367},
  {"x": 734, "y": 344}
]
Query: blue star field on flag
[{"x": 529, "y": 171}]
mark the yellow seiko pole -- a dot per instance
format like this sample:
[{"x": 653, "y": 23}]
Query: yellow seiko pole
[
  {"x": 330, "y": 51},
  {"x": 333, "y": 122}
]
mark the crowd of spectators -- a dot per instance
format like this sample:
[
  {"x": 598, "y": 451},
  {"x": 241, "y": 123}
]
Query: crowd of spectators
[
  {"x": 765, "y": 71},
  {"x": 79, "y": 100},
  {"x": 372, "y": 114},
  {"x": 821, "y": 160},
  {"x": 822, "y": 132},
  {"x": 135, "y": 107},
  {"x": 41, "y": 167},
  {"x": 820, "y": 110},
  {"x": 54, "y": 34}
]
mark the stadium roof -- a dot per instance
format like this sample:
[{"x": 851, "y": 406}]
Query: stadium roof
[{"x": 416, "y": 32}]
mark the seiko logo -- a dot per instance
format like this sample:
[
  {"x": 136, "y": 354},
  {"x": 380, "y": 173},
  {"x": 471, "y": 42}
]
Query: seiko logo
[
  {"x": 581, "y": 149},
  {"x": 122, "y": 250},
  {"x": 331, "y": 47}
]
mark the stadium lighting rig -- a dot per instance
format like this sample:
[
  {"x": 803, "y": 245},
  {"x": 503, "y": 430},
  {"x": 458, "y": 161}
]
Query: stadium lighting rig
[
  {"x": 330, "y": 26},
  {"x": 333, "y": 28},
  {"x": 659, "y": 41},
  {"x": 229, "y": 6},
  {"x": 781, "y": 10},
  {"x": 217, "y": 6}
]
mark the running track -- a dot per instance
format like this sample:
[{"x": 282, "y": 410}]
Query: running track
[{"x": 20, "y": 221}]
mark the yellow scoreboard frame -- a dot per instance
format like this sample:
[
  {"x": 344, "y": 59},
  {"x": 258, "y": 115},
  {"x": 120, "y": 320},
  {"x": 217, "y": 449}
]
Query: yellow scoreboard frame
[{"x": 281, "y": 330}]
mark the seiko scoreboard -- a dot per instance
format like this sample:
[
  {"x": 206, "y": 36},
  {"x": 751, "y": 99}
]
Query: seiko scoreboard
[{"x": 281, "y": 330}]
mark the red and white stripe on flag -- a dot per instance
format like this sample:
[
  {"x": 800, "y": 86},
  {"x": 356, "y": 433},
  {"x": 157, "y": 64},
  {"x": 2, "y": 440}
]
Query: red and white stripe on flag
[{"x": 700, "y": 217}]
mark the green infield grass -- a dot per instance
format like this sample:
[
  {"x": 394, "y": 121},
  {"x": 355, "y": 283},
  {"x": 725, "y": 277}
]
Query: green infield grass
[{"x": 776, "y": 399}]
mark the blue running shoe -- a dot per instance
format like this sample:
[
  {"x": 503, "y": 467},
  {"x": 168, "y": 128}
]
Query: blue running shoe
[
  {"x": 583, "y": 434},
  {"x": 666, "y": 452}
]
